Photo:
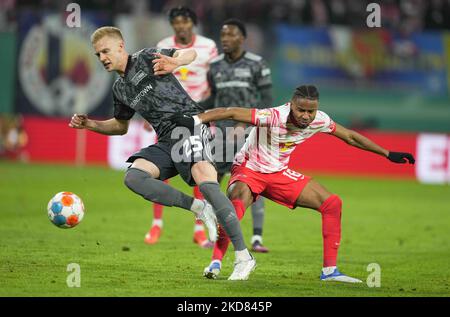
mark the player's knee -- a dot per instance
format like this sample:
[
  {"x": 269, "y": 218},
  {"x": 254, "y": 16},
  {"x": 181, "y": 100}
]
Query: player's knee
[
  {"x": 144, "y": 184},
  {"x": 196, "y": 168},
  {"x": 337, "y": 204},
  {"x": 201, "y": 167},
  {"x": 332, "y": 205},
  {"x": 204, "y": 172},
  {"x": 129, "y": 179},
  {"x": 133, "y": 177}
]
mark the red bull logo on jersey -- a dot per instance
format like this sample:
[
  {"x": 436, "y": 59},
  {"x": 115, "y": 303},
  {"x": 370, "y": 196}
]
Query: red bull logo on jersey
[{"x": 183, "y": 73}]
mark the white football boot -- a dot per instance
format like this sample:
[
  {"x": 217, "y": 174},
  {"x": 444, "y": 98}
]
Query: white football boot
[
  {"x": 209, "y": 219},
  {"x": 242, "y": 269}
]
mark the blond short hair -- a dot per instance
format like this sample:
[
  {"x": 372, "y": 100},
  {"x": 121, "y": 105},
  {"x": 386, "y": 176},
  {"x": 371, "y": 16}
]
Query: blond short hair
[{"x": 106, "y": 31}]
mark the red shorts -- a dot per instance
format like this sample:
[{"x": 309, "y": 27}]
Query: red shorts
[{"x": 282, "y": 187}]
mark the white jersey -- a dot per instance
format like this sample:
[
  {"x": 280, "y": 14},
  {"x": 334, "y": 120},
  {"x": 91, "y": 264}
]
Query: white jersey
[
  {"x": 271, "y": 143},
  {"x": 193, "y": 76}
]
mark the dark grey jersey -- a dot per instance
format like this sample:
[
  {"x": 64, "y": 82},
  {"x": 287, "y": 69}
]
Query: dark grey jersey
[
  {"x": 155, "y": 98},
  {"x": 238, "y": 83}
]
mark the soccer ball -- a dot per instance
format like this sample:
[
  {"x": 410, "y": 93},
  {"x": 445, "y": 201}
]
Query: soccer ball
[{"x": 65, "y": 210}]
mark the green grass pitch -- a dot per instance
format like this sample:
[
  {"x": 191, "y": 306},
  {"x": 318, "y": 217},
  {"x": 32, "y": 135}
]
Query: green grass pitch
[{"x": 399, "y": 224}]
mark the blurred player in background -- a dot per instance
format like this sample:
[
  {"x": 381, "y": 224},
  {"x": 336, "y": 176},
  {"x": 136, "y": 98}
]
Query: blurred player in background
[
  {"x": 146, "y": 85},
  {"x": 13, "y": 138},
  {"x": 193, "y": 79},
  {"x": 241, "y": 79},
  {"x": 261, "y": 168}
]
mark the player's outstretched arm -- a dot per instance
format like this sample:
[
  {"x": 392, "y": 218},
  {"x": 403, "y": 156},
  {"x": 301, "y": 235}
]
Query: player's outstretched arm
[
  {"x": 164, "y": 64},
  {"x": 357, "y": 140},
  {"x": 231, "y": 113},
  {"x": 108, "y": 127}
]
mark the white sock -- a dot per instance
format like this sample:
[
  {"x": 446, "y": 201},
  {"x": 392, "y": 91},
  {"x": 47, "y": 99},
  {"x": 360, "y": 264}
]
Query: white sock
[
  {"x": 256, "y": 237},
  {"x": 157, "y": 222},
  {"x": 242, "y": 255},
  {"x": 197, "y": 206},
  {"x": 198, "y": 228},
  {"x": 328, "y": 270}
]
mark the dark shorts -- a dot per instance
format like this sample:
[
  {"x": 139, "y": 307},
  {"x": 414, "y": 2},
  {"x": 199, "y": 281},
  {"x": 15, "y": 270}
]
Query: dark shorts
[
  {"x": 178, "y": 156},
  {"x": 224, "y": 167}
]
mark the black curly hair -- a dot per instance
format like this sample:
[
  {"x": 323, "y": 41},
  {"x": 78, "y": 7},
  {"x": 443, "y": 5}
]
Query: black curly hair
[
  {"x": 307, "y": 91},
  {"x": 182, "y": 11}
]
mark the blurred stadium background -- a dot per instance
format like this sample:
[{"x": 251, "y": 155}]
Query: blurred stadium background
[{"x": 390, "y": 83}]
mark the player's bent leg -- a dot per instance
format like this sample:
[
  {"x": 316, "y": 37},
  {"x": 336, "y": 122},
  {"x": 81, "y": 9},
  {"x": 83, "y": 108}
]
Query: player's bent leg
[
  {"x": 140, "y": 178},
  {"x": 205, "y": 176},
  {"x": 315, "y": 196}
]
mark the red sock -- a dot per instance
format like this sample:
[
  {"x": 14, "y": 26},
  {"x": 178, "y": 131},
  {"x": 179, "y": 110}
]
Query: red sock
[
  {"x": 221, "y": 245},
  {"x": 157, "y": 211},
  {"x": 331, "y": 210},
  {"x": 157, "y": 208},
  {"x": 198, "y": 222}
]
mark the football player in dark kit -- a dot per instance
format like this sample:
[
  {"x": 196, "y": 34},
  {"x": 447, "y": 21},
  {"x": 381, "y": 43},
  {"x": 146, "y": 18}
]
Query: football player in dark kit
[{"x": 146, "y": 85}]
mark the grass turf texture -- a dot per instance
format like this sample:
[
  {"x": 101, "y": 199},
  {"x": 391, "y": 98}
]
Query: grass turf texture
[{"x": 401, "y": 225}]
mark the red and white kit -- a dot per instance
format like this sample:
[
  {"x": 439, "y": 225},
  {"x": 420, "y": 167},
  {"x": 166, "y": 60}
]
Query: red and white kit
[
  {"x": 193, "y": 76},
  {"x": 262, "y": 163}
]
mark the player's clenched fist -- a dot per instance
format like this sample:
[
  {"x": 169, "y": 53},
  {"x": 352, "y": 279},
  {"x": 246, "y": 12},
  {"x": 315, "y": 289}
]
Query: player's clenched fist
[{"x": 79, "y": 121}]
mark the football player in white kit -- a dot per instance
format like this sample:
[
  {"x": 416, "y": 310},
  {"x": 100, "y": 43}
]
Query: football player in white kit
[{"x": 261, "y": 167}]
